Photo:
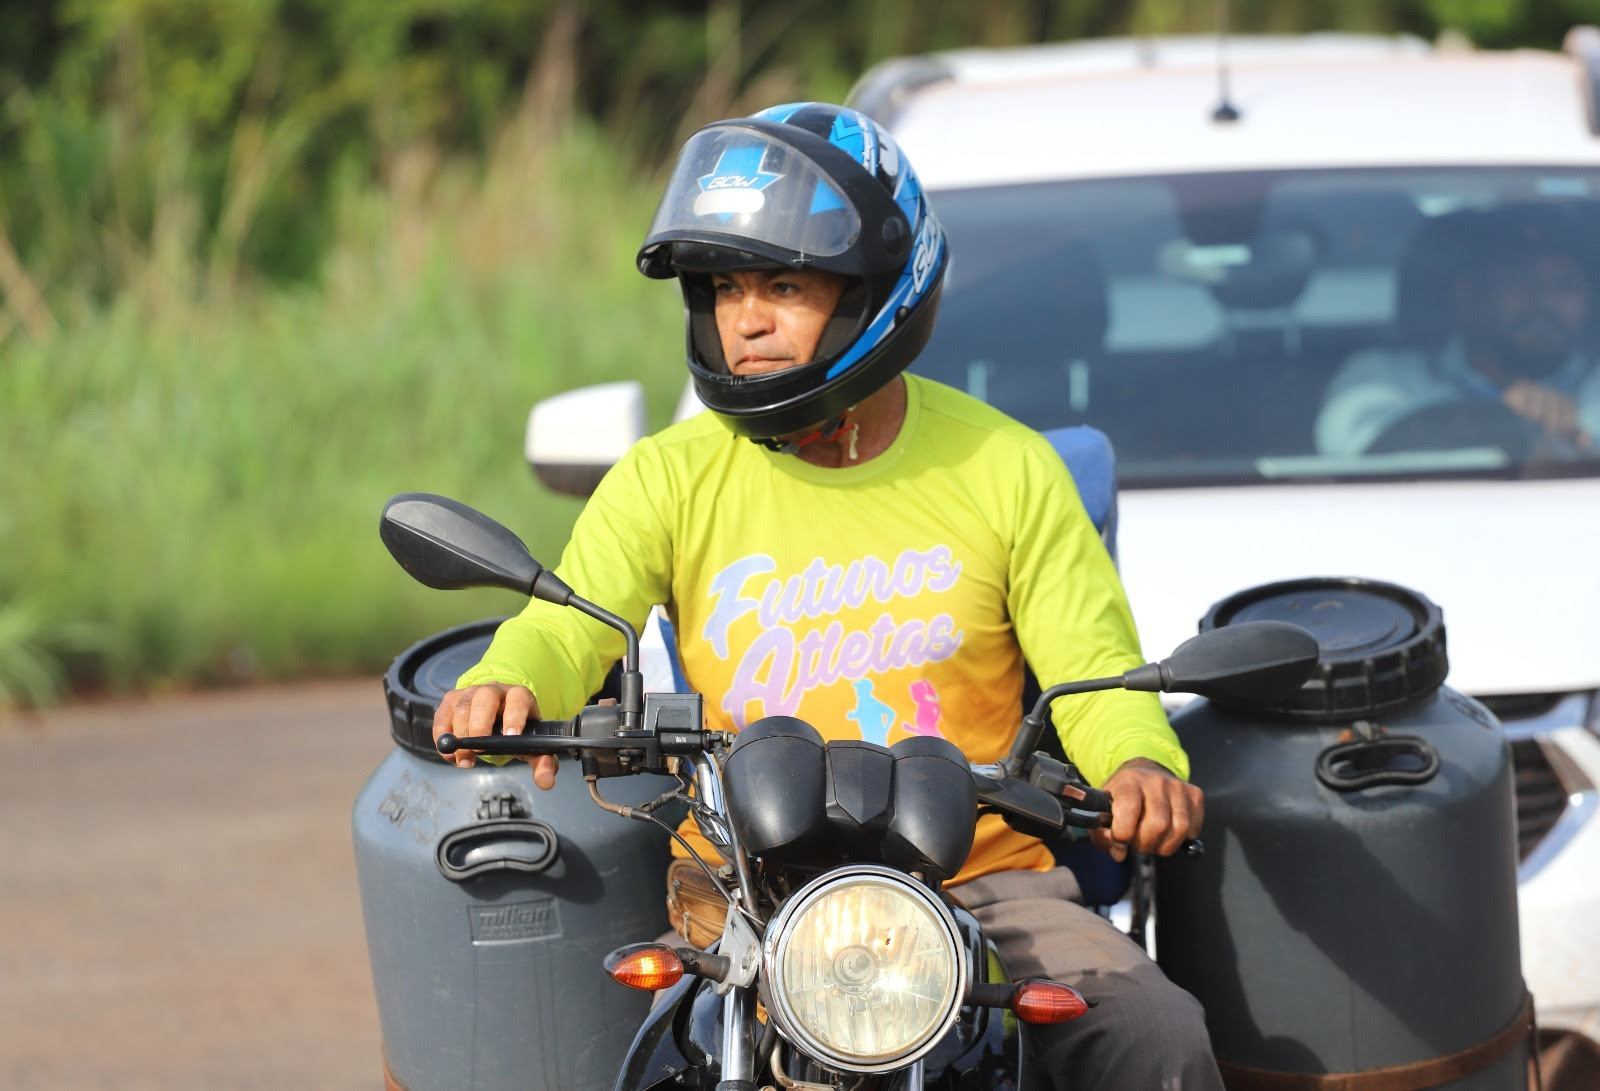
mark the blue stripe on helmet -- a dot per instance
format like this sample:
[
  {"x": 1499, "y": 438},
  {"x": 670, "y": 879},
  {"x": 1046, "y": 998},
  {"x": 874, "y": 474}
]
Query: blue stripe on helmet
[
  {"x": 849, "y": 134},
  {"x": 905, "y": 294},
  {"x": 783, "y": 113}
]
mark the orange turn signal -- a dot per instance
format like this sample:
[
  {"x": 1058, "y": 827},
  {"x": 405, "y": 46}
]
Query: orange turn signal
[
  {"x": 1047, "y": 1002},
  {"x": 648, "y": 966}
]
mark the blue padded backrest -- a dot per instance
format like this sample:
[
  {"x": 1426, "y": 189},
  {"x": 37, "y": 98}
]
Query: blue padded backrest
[{"x": 1088, "y": 455}]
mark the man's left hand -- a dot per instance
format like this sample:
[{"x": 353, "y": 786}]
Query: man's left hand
[{"x": 1152, "y": 810}]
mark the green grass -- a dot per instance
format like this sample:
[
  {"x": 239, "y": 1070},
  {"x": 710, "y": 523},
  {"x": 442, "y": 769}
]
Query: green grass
[{"x": 192, "y": 477}]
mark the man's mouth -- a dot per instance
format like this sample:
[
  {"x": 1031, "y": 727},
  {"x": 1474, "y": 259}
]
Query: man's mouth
[{"x": 760, "y": 363}]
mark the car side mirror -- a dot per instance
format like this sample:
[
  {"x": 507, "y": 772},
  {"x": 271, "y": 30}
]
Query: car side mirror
[{"x": 575, "y": 437}]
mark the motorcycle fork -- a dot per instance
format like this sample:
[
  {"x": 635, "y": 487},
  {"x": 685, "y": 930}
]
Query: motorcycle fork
[{"x": 738, "y": 1037}]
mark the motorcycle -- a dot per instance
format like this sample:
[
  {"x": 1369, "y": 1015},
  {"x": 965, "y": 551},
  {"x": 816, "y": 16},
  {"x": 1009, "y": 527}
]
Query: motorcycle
[{"x": 842, "y": 960}]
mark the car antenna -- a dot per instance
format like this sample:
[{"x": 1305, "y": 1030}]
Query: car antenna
[{"x": 1225, "y": 111}]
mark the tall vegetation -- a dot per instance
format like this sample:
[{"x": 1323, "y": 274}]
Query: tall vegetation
[
  {"x": 198, "y": 439},
  {"x": 265, "y": 262}
]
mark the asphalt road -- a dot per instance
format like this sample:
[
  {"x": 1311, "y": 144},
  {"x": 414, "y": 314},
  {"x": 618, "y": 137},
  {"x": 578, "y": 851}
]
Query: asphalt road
[{"x": 178, "y": 903}]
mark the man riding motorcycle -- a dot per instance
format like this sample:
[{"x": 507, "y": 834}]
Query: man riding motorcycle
[{"x": 870, "y": 551}]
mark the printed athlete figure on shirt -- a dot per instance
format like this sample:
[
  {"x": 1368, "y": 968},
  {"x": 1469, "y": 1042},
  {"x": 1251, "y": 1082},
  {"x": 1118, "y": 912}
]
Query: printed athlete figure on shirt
[
  {"x": 872, "y": 552},
  {"x": 1503, "y": 353}
]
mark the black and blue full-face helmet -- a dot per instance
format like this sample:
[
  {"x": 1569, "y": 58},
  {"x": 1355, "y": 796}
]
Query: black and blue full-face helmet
[{"x": 802, "y": 186}]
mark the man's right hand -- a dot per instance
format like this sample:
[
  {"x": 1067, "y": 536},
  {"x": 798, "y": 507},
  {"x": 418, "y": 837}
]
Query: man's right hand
[
  {"x": 1550, "y": 409},
  {"x": 473, "y": 711}
]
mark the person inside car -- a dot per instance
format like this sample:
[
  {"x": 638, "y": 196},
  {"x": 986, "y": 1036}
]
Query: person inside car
[
  {"x": 1518, "y": 370},
  {"x": 872, "y": 552}
]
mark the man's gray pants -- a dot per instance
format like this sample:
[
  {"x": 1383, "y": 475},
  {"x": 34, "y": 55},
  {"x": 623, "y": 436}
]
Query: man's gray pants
[{"x": 1144, "y": 1034}]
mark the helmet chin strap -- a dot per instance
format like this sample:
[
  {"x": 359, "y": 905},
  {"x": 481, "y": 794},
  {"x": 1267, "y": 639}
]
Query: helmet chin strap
[{"x": 831, "y": 428}]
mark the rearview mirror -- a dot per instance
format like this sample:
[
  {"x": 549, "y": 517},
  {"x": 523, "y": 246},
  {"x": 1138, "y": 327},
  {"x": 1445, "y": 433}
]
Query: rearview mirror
[
  {"x": 446, "y": 545},
  {"x": 1250, "y": 662}
]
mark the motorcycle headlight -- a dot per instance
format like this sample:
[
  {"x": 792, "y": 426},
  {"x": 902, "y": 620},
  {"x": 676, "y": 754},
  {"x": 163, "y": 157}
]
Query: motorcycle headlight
[{"x": 865, "y": 969}]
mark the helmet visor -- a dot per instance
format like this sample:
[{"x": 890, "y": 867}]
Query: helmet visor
[{"x": 736, "y": 186}]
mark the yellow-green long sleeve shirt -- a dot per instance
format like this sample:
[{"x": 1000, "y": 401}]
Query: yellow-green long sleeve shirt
[{"x": 902, "y": 595}]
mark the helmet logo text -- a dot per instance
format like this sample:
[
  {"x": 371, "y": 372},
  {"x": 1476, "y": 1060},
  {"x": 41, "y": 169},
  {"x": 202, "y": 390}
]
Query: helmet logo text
[
  {"x": 734, "y": 185},
  {"x": 926, "y": 255}
]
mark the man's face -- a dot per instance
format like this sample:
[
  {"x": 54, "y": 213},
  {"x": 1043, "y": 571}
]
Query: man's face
[
  {"x": 1531, "y": 310},
  {"x": 773, "y": 319}
]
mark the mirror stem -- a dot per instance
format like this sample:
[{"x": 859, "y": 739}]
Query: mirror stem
[
  {"x": 1067, "y": 689},
  {"x": 631, "y": 701},
  {"x": 1027, "y": 739}
]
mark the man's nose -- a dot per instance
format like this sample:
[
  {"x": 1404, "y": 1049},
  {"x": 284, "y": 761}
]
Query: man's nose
[{"x": 754, "y": 316}]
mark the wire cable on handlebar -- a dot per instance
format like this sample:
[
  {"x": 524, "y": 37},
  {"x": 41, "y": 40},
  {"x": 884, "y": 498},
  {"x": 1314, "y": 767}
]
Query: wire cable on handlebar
[
  {"x": 767, "y": 1048},
  {"x": 645, "y": 816}
]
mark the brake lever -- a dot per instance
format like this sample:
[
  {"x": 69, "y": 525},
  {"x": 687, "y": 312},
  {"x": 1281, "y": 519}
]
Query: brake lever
[
  {"x": 1025, "y": 807},
  {"x": 1081, "y": 806}
]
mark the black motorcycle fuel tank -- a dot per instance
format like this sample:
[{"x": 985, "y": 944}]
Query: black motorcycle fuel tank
[{"x": 1356, "y": 909}]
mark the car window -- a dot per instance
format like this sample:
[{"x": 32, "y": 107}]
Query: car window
[{"x": 1263, "y": 326}]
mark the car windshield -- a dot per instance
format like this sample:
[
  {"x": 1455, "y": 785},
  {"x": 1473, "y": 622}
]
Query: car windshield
[{"x": 1283, "y": 325}]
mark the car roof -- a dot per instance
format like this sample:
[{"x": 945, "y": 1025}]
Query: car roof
[{"x": 1120, "y": 107}]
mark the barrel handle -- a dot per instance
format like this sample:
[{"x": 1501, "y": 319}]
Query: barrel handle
[
  {"x": 512, "y": 844},
  {"x": 1369, "y": 762}
]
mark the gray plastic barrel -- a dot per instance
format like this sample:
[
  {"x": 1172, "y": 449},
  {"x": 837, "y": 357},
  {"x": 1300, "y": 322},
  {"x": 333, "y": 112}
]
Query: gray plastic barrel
[
  {"x": 1356, "y": 907},
  {"x": 489, "y": 905}
]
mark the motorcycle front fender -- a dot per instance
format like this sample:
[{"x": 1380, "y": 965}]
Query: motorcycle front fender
[{"x": 654, "y": 1059}]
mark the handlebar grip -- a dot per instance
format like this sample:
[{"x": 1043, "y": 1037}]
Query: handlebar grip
[{"x": 1096, "y": 799}]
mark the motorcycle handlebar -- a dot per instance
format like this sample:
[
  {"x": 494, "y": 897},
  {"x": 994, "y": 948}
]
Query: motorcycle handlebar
[
  {"x": 685, "y": 742},
  {"x": 1081, "y": 806},
  {"x": 604, "y": 732}
]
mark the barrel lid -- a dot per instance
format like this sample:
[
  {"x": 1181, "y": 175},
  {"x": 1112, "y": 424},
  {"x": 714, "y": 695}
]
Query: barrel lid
[
  {"x": 1382, "y": 645},
  {"x": 424, "y": 673}
]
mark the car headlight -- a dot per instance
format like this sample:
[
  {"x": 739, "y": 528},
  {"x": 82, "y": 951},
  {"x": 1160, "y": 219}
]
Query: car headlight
[{"x": 865, "y": 969}]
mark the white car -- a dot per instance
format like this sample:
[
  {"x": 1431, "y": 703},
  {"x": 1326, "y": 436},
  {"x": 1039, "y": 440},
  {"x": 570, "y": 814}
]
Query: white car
[{"x": 1184, "y": 254}]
